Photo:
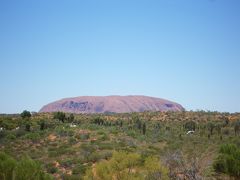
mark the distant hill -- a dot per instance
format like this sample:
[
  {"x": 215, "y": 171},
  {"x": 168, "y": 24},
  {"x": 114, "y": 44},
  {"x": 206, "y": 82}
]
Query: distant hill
[{"x": 111, "y": 104}]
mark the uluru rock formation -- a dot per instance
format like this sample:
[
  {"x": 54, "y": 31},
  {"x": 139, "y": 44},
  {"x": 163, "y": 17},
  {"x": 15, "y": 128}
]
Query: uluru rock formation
[{"x": 111, "y": 104}]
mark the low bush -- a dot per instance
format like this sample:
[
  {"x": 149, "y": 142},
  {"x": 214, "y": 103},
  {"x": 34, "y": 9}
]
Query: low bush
[
  {"x": 72, "y": 141},
  {"x": 23, "y": 169},
  {"x": 51, "y": 168},
  {"x": 20, "y": 132},
  {"x": 83, "y": 136},
  {"x": 67, "y": 162},
  {"x": 63, "y": 132},
  {"x": 11, "y": 136},
  {"x": 228, "y": 161},
  {"x": 2, "y": 134},
  {"x": 35, "y": 137},
  {"x": 79, "y": 169},
  {"x": 124, "y": 165}
]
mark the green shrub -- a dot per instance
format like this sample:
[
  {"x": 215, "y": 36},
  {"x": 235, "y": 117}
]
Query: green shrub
[
  {"x": 67, "y": 162},
  {"x": 144, "y": 128},
  {"x": 124, "y": 165},
  {"x": 132, "y": 134},
  {"x": 101, "y": 132},
  {"x": 61, "y": 150},
  {"x": 190, "y": 126},
  {"x": 83, "y": 136},
  {"x": 71, "y": 177},
  {"x": 20, "y": 132},
  {"x": 63, "y": 132},
  {"x": 28, "y": 169},
  {"x": 23, "y": 169},
  {"x": 51, "y": 168},
  {"x": 79, "y": 169},
  {"x": 35, "y": 137},
  {"x": 94, "y": 157},
  {"x": 42, "y": 125},
  {"x": 64, "y": 149},
  {"x": 7, "y": 166},
  {"x": 61, "y": 116},
  {"x": 51, "y": 124},
  {"x": 2, "y": 134},
  {"x": 28, "y": 127},
  {"x": 72, "y": 141},
  {"x": 11, "y": 136},
  {"x": 228, "y": 161},
  {"x": 226, "y": 131},
  {"x": 155, "y": 170},
  {"x": 237, "y": 127},
  {"x": 106, "y": 155},
  {"x": 70, "y": 118},
  {"x": 8, "y": 123},
  {"x": 211, "y": 126},
  {"x": 104, "y": 137},
  {"x": 108, "y": 146}
]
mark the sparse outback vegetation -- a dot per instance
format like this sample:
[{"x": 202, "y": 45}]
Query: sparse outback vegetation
[{"x": 148, "y": 145}]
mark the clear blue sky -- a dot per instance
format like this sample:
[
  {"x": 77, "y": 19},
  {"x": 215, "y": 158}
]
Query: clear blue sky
[{"x": 187, "y": 51}]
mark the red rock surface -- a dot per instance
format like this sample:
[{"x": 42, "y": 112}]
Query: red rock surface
[{"x": 111, "y": 104}]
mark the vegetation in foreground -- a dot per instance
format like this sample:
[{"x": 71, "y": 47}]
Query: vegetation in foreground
[{"x": 148, "y": 145}]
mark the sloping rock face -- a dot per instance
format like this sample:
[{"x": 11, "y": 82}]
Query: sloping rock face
[{"x": 111, "y": 104}]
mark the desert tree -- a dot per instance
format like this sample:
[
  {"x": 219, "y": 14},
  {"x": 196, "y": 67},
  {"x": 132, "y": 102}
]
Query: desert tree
[
  {"x": 42, "y": 125},
  {"x": 211, "y": 127},
  {"x": 25, "y": 114},
  {"x": 61, "y": 116},
  {"x": 71, "y": 118},
  {"x": 28, "y": 127},
  {"x": 190, "y": 126},
  {"x": 144, "y": 128},
  {"x": 237, "y": 127}
]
